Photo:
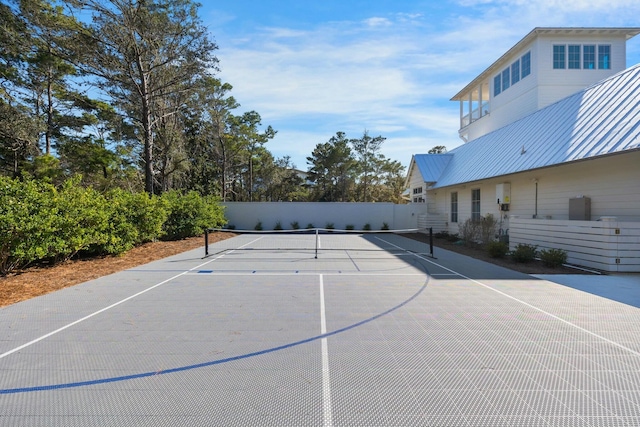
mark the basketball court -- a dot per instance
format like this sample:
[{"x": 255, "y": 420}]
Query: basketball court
[{"x": 325, "y": 329}]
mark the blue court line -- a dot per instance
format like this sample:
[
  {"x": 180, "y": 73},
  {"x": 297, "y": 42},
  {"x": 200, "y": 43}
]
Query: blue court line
[{"x": 213, "y": 362}]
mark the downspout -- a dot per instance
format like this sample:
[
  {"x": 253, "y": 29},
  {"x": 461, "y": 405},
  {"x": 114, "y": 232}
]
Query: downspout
[{"x": 536, "y": 214}]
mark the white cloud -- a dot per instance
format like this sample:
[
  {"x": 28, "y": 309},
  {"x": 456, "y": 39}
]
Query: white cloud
[
  {"x": 393, "y": 75},
  {"x": 378, "y": 22}
]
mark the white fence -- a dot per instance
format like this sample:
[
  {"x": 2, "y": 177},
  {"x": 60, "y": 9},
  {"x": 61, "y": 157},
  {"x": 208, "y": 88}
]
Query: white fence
[
  {"x": 246, "y": 215},
  {"x": 606, "y": 244}
]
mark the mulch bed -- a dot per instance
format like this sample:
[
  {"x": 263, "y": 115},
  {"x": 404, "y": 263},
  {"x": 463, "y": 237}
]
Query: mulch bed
[
  {"x": 477, "y": 252},
  {"x": 40, "y": 280}
]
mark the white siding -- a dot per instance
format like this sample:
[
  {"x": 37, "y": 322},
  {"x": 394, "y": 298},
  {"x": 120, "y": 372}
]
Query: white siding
[
  {"x": 612, "y": 183},
  {"x": 557, "y": 84},
  {"x": 416, "y": 181},
  {"x": 544, "y": 85}
]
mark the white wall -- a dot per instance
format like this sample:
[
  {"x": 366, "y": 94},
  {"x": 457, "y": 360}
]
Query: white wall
[
  {"x": 558, "y": 84},
  {"x": 245, "y": 215},
  {"x": 612, "y": 183},
  {"x": 545, "y": 85}
]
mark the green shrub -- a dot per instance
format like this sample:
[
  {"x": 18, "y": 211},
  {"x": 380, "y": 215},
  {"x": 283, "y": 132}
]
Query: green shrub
[
  {"x": 85, "y": 223},
  {"x": 278, "y": 226},
  {"x": 330, "y": 226},
  {"x": 350, "y": 227},
  {"x": 27, "y": 230},
  {"x": 41, "y": 223},
  {"x": 367, "y": 227},
  {"x": 453, "y": 237},
  {"x": 524, "y": 253},
  {"x": 497, "y": 249},
  {"x": 258, "y": 226},
  {"x": 295, "y": 225},
  {"x": 190, "y": 214},
  {"x": 385, "y": 226},
  {"x": 553, "y": 257},
  {"x": 310, "y": 226},
  {"x": 135, "y": 218}
]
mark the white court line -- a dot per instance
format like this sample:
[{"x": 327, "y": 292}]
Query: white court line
[
  {"x": 301, "y": 273},
  {"x": 326, "y": 377},
  {"x": 525, "y": 303},
  {"x": 43, "y": 337},
  {"x": 630, "y": 350}
]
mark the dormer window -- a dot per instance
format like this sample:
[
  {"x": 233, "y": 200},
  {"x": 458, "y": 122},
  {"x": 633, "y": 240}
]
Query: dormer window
[
  {"x": 604, "y": 57},
  {"x": 574, "y": 57},
  {"x": 589, "y": 56},
  {"x": 526, "y": 65},
  {"x": 511, "y": 75},
  {"x": 559, "y": 57},
  {"x": 573, "y": 61},
  {"x": 506, "y": 82}
]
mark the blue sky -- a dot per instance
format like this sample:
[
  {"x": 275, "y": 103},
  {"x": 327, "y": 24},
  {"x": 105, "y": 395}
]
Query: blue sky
[{"x": 313, "y": 68}]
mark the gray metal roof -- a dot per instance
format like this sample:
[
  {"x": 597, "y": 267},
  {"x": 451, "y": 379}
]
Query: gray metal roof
[
  {"x": 601, "y": 120},
  {"x": 431, "y": 166}
]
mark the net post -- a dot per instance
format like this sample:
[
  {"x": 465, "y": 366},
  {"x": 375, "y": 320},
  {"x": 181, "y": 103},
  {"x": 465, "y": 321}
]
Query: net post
[
  {"x": 206, "y": 242},
  {"x": 431, "y": 241},
  {"x": 316, "y": 257}
]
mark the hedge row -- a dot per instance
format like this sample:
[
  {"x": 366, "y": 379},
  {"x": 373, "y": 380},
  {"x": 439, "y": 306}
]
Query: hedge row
[{"x": 39, "y": 222}]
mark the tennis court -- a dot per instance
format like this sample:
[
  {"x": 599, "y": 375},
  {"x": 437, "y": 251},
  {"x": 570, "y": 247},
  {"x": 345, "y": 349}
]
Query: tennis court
[{"x": 325, "y": 329}]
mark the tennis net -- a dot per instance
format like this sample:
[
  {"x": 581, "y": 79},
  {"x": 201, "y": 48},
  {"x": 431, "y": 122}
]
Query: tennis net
[{"x": 315, "y": 240}]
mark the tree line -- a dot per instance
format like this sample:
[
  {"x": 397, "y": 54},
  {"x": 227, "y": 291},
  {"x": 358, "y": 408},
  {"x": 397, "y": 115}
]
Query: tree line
[{"x": 125, "y": 94}]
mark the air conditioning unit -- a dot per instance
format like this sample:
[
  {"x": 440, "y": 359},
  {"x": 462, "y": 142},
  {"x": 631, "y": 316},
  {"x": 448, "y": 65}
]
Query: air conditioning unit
[{"x": 580, "y": 208}]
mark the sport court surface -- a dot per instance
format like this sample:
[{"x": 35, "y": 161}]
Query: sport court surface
[{"x": 382, "y": 335}]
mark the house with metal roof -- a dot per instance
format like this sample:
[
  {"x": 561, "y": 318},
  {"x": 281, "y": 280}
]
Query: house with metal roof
[{"x": 557, "y": 165}]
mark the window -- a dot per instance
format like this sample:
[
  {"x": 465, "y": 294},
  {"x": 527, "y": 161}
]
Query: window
[
  {"x": 505, "y": 79},
  {"x": 515, "y": 72},
  {"x": 526, "y": 65},
  {"x": 497, "y": 85},
  {"x": 454, "y": 206},
  {"x": 559, "y": 53},
  {"x": 574, "y": 57},
  {"x": 604, "y": 57},
  {"x": 512, "y": 74},
  {"x": 417, "y": 190},
  {"x": 475, "y": 205},
  {"x": 589, "y": 57}
]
